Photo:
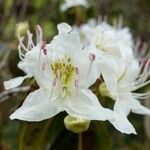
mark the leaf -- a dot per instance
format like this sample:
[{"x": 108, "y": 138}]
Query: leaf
[
  {"x": 65, "y": 140},
  {"x": 33, "y": 135},
  {"x": 59, "y": 137},
  {"x": 102, "y": 139}
]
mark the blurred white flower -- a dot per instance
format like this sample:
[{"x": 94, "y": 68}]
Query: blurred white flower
[
  {"x": 114, "y": 41},
  {"x": 29, "y": 58},
  {"x": 73, "y": 3},
  {"x": 64, "y": 75},
  {"x": 114, "y": 45}
]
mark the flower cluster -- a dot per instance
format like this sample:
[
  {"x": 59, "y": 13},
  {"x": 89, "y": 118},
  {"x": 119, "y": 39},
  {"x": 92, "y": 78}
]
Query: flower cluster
[{"x": 66, "y": 67}]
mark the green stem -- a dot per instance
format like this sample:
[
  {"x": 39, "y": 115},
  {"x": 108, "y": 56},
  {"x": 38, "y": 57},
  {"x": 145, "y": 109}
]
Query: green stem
[{"x": 80, "y": 142}]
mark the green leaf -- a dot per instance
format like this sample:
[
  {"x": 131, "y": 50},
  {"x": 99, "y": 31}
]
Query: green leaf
[
  {"x": 59, "y": 137},
  {"x": 33, "y": 135},
  {"x": 102, "y": 139}
]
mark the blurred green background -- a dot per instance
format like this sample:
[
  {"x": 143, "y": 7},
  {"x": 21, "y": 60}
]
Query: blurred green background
[{"x": 51, "y": 134}]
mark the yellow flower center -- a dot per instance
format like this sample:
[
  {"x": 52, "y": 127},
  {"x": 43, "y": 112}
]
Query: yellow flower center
[{"x": 64, "y": 71}]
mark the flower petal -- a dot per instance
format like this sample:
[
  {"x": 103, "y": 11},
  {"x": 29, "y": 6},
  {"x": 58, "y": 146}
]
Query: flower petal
[
  {"x": 37, "y": 106},
  {"x": 116, "y": 68},
  {"x": 121, "y": 122},
  {"x": 89, "y": 70},
  {"x": 85, "y": 105},
  {"x": 64, "y": 28},
  {"x": 15, "y": 82}
]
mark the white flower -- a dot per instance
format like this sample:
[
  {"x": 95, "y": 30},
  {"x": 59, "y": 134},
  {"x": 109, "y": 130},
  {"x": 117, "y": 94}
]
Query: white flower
[
  {"x": 114, "y": 41},
  {"x": 114, "y": 46},
  {"x": 119, "y": 70},
  {"x": 126, "y": 99},
  {"x": 86, "y": 31},
  {"x": 64, "y": 77},
  {"x": 29, "y": 58},
  {"x": 73, "y": 3}
]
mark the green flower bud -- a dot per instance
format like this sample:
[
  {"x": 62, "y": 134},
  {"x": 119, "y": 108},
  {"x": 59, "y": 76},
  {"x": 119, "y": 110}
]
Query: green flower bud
[
  {"x": 22, "y": 28},
  {"x": 104, "y": 91},
  {"x": 75, "y": 124}
]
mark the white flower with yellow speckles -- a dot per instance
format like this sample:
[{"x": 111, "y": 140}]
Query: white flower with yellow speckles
[{"x": 65, "y": 72}]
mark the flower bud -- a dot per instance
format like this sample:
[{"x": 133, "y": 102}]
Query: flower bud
[
  {"x": 104, "y": 91},
  {"x": 22, "y": 28},
  {"x": 75, "y": 124}
]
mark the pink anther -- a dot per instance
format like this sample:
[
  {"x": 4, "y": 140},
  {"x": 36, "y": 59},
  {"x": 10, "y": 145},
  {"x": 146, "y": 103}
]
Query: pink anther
[
  {"x": 92, "y": 57},
  {"x": 76, "y": 83}
]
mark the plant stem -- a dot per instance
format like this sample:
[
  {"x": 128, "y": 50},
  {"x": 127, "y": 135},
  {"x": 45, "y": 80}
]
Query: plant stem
[{"x": 80, "y": 142}]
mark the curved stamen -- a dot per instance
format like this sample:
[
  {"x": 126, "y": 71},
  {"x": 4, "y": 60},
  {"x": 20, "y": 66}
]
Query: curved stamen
[
  {"x": 21, "y": 55},
  {"x": 30, "y": 41},
  {"x": 39, "y": 34},
  {"x": 21, "y": 44},
  {"x": 142, "y": 95}
]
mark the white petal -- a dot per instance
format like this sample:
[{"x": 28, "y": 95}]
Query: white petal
[
  {"x": 37, "y": 106},
  {"x": 73, "y": 3},
  {"x": 64, "y": 28},
  {"x": 111, "y": 68},
  {"x": 87, "y": 106},
  {"x": 131, "y": 73},
  {"x": 89, "y": 71},
  {"x": 121, "y": 122},
  {"x": 138, "y": 108},
  {"x": 15, "y": 82}
]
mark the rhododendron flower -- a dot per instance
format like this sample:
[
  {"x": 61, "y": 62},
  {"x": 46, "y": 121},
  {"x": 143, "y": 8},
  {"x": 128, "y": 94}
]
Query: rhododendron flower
[
  {"x": 73, "y": 3},
  {"x": 126, "y": 99},
  {"x": 65, "y": 72},
  {"x": 120, "y": 70}
]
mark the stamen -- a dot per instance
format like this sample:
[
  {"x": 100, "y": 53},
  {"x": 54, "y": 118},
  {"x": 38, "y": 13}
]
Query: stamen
[
  {"x": 76, "y": 83},
  {"x": 54, "y": 82},
  {"x": 21, "y": 55},
  {"x": 92, "y": 58},
  {"x": 43, "y": 66},
  {"x": 39, "y": 34},
  {"x": 141, "y": 80},
  {"x": 52, "y": 90},
  {"x": 43, "y": 44},
  {"x": 142, "y": 95},
  {"x": 58, "y": 74},
  {"x": 45, "y": 51},
  {"x": 21, "y": 44},
  {"x": 30, "y": 41},
  {"x": 77, "y": 70}
]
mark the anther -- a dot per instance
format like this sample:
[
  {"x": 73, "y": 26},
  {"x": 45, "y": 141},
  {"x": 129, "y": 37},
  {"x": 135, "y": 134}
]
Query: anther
[
  {"x": 45, "y": 51},
  {"x": 92, "y": 57},
  {"x": 76, "y": 83},
  {"x": 43, "y": 44},
  {"x": 77, "y": 70}
]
